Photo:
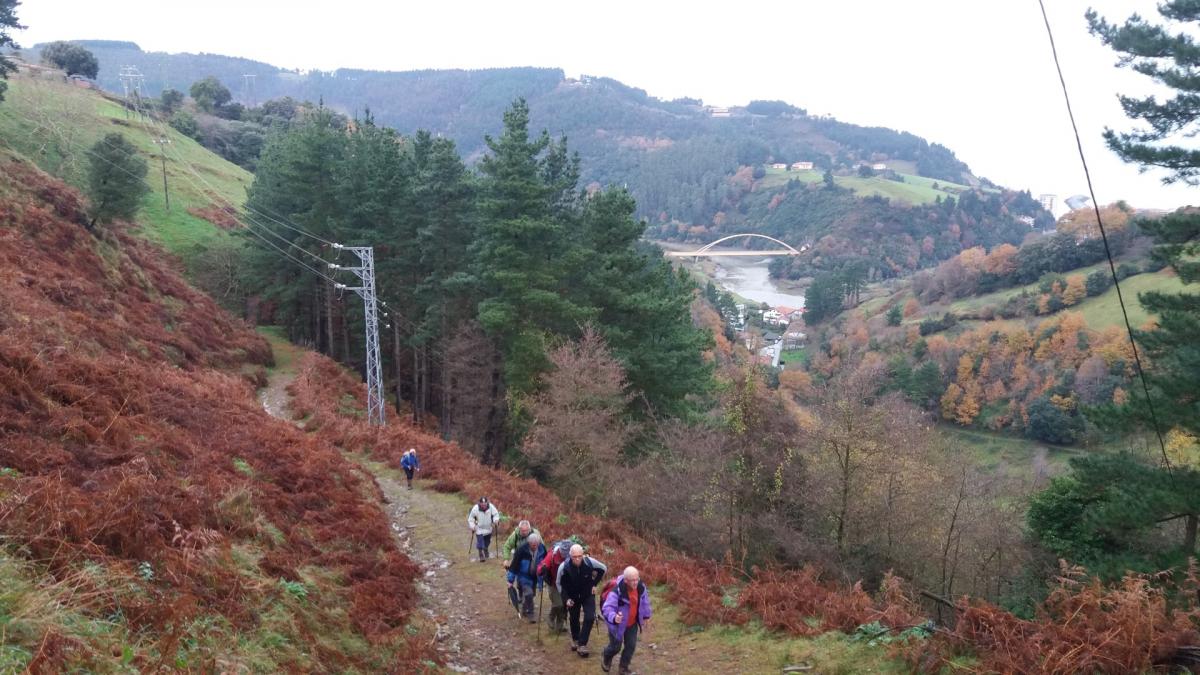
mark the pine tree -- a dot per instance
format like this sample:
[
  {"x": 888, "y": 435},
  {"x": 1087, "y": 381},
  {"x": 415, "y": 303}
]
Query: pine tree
[
  {"x": 116, "y": 179},
  {"x": 1101, "y": 513},
  {"x": 8, "y": 19},
  {"x": 296, "y": 182},
  {"x": 644, "y": 305},
  {"x": 522, "y": 252},
  {"x": 1169, "y": 55},
  {"x": 444, "y": 193}
]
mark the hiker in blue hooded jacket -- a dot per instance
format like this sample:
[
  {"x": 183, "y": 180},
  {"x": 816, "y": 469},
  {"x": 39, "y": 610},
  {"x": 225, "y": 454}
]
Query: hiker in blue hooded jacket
[
  {"x": 410, "y": 464},
  {"x": 522, "y": 570}
]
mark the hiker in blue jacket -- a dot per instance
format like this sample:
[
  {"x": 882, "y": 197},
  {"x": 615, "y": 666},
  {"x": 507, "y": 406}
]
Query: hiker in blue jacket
[
  {"x": 410, "y": 464},
  {"x": 522, "y": 570}
]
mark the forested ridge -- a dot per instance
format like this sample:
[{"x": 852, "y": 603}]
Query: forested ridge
[{"x": 676, "y": 159}]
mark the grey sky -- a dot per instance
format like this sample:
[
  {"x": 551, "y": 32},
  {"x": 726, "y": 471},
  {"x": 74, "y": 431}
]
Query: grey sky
[{"x": 974, "y": 75}]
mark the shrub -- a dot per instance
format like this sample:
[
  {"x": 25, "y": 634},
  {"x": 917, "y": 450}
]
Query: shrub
[
  {"x": 1098, "y": 282},
  {"x": 185, "y": 123}
]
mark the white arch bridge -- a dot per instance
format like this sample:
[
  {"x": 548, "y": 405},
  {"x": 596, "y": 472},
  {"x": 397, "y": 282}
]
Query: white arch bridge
[{"x": 708, "y": 250}]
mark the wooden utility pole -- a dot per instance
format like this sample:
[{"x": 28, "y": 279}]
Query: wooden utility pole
[{"x": 162, "y": 154}]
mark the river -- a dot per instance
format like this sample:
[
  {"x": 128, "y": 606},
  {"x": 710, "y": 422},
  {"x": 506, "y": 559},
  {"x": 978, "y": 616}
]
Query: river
[{"x": 750, "y": 278}]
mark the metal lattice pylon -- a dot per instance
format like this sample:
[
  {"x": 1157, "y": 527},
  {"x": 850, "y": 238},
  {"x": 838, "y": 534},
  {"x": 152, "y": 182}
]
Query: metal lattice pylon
[{"x": 366, "y": 272}]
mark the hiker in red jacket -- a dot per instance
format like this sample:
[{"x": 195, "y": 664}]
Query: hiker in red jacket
[{"x": 548, "y": 570}]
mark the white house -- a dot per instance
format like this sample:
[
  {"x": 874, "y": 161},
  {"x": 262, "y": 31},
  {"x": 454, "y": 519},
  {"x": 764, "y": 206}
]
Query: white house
[
  {"x": 779, "y": 165},
  {"x": 774, "y": 317},
  {"x": 879, "y": 166},
  {"x": 718, "y": 112},
  {"x": 802, "y": 166}
]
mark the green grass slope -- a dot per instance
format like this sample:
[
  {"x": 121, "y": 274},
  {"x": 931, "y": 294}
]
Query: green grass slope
[
  {"x": 914, "y": 189},
  {"x": 55, "y": 123}
]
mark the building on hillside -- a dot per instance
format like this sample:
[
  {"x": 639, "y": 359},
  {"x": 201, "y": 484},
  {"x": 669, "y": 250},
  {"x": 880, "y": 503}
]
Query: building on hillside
[
  {"x": 779, "y": 165},
  {"x": 879, "y": 166},
  {"x": 1028, "y": 220},
  {"x": 718, "y": 112},
  {"x": 774, "y": 318},
  {"x": 802, "y": 166},
  {"x": 794, "y": 339},
  {"x": 1047, "y": 201}
]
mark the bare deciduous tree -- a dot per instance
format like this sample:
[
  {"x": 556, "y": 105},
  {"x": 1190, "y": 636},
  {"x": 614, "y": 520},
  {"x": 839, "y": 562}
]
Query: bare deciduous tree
[{"x": 579, "y": 428}]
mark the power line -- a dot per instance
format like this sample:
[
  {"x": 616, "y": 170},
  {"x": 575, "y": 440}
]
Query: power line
[
  {"x": 1104, "y": 236},
  {"x": 216, "y": 193}
]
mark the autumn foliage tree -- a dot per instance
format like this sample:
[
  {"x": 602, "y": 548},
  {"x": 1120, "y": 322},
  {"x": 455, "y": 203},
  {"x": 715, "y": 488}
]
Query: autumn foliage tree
[{"x": 579, "y": 429}]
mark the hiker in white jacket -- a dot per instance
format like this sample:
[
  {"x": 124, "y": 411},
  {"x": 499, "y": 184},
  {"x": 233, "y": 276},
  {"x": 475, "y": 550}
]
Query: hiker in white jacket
[{"x": 482, "y": 521}]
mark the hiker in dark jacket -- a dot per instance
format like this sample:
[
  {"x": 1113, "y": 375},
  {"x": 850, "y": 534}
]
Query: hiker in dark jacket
[
  {"x": 410, "y": 464},
  {"x": 522, "y": 570},
  {"x": 626, "y": 610},
  {"x": 578, "y": 577}
]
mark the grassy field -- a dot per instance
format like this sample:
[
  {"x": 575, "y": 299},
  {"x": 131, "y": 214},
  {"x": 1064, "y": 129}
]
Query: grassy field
[
  {"x": 914, "y": 189},
  {"x": 1011, "y": 456},
  {"x": 1103, "y": 310},
  {"x": 55, "y": 123},
  {"x": 1099, "y": 312}
]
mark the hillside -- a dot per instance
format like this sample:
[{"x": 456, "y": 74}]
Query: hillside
[
  {"x": 1017, "y": 340},
  {"x": 675, "y": 155},
  {"x": 55, "y": 123},
  {"x": 154, "y": 516}
]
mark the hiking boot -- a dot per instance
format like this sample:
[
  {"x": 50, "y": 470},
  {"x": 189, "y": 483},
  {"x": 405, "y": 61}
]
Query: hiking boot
[
  {"x": 625, "y": 671},
  {"x": 605, "y": 662},
  {"x": 531, "y": 619},
  {"x": 582, "y": 651},
  {"x": 574, "y": 645}
]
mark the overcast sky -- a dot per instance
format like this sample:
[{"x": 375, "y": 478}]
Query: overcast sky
[{"x": 974, "y": 75}]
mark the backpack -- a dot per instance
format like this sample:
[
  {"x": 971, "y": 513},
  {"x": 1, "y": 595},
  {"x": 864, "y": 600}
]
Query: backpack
[{"x": 608, "y": 587}]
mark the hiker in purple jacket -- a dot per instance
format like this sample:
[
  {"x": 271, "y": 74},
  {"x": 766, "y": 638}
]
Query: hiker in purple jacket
[{"x": 627, "y": 612}]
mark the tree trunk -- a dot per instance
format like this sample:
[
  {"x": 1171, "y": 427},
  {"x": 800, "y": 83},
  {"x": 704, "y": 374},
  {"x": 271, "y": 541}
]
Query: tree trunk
[
  {"x": 494, "y": 437},
  {"x": 426, "y": 381},
  {"x": 346, "y": 336},
  {"x": 399, "y": 375},
  {"x": 329, "y": 343},
  {"x": 1189, "y": 536},
  {"x": 416, "y": 387},
  {"x": 316, "y": 316},
  {"x": 444, "y": 412}
]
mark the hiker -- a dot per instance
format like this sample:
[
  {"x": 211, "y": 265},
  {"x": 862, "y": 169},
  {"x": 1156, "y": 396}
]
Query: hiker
[
  {"x": 548, "y": 570},
  {"x": 626, "y": 610},
  {"x": 522, "y": 570},
  {"x": 410, "y": 464},
  {"x": 577, "y": 581},
  {"x": 482, "y": 521},
  {"x": 517, "y": 538}
]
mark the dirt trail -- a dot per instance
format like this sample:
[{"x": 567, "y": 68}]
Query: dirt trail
[{"x": 478, "y": 631}]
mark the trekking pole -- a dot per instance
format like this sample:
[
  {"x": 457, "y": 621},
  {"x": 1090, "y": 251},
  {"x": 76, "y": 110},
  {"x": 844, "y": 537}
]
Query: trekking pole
[
  {"x": 470, "y": 539},
  {"x": 541, "y": 595},
  {"x": 496, "y": 538}
]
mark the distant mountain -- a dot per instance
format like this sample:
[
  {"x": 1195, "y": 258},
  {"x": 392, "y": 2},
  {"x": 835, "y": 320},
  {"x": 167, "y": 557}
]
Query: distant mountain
[{"x": 695, "y": 170}]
